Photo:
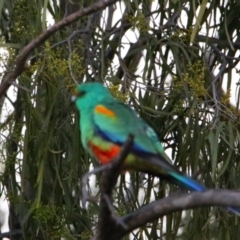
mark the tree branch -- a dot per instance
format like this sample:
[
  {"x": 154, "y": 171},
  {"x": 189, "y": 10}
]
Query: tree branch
[
  {"x": 107, "y": 219},
  {"x": 179, "y": 202},
  {"x": 22, "y": 57},
  {"x": 173, "y": 203}
]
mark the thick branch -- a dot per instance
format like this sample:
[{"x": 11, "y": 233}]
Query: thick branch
[
  {"x": 173, "y": 203},
  {"x": 178, "y": 202},
  {"x": 22, "y": 57}
]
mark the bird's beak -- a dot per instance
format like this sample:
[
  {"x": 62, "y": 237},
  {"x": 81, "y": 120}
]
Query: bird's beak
[{"x": 74, "y": 96}]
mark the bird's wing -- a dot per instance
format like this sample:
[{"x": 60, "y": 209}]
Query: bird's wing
[{"x": 114, "y": 121}]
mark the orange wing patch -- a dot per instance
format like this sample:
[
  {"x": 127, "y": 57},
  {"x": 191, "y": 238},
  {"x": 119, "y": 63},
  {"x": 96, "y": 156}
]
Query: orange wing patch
[
  {"x": 105, "y": 156},
  {"x": 103, "y": 110}
]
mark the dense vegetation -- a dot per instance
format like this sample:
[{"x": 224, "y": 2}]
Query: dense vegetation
[{"x": 175, "y": 62}]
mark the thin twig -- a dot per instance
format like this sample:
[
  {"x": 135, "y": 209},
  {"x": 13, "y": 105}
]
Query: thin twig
[
  {"x": 85, "y": 178},
  {"x": 214, "y": 81}
]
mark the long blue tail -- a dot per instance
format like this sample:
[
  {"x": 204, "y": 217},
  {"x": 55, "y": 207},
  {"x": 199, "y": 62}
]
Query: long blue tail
[
  {"x": 159, "y": 166},
  {"x": 234, "y": 210},
  {"x": 187, "y": 182},
  {"x": 191, "y": 184}
]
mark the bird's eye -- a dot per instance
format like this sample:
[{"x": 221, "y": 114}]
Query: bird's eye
[
  {"x": 80, "y": 94},
  {"x": 77, "y": 93}
]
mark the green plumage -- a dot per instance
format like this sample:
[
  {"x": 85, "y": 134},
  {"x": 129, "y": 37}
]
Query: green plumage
[{"x": 105, "y": 126}]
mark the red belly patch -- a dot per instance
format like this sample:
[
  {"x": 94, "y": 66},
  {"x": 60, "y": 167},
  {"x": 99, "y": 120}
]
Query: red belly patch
[{"x": 105, "y": 155}]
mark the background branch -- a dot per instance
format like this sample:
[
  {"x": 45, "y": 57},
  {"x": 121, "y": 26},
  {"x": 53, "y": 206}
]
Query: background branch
[{"x": 21, "y": 59}]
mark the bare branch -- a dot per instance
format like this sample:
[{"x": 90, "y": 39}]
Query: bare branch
[
  {"x": 181, "y": 202},
  {"x": 168, "y": 205}
]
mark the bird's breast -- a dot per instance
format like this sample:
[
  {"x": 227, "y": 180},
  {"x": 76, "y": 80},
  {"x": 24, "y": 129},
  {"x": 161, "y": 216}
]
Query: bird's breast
[{"x": 104, "y": 152}]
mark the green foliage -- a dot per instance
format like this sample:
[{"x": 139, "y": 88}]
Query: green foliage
[
  {"x": 114, "y": 89},
  {"x": 138, "y": 22},
  {"x": 195, "y": 78},
  {"x": 56, "y": 66},
  {"x": 192, "y": 84},
  {"x": 167, "y": 78}
]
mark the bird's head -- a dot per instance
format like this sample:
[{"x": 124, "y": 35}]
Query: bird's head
[{"x": 89, "y": 95}]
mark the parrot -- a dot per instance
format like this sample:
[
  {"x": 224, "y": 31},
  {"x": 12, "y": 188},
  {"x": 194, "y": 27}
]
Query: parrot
[{"x": 106, "y": 124}]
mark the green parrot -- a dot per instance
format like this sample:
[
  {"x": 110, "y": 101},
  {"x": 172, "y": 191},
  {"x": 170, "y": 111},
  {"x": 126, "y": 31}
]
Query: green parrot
[{"x": 106, "y": 124}]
